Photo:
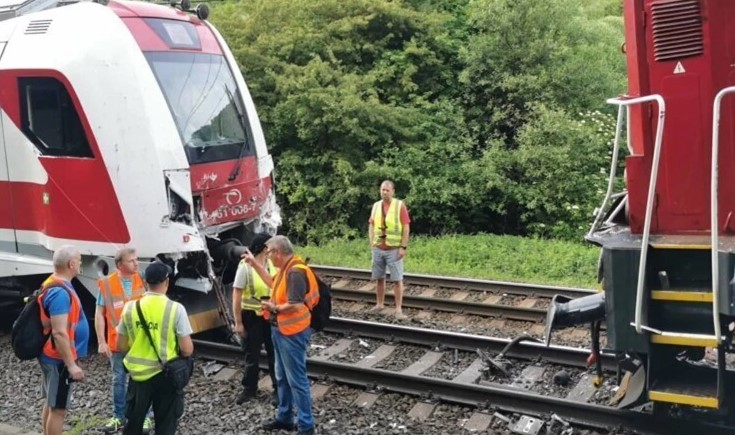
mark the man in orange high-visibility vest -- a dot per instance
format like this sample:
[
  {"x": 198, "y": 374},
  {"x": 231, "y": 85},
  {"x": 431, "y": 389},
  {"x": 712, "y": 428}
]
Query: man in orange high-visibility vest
[
  {"x": 123, "y": 285},
  {"x": 294, "y": 293},
  {"x": 63, "y": 317}
]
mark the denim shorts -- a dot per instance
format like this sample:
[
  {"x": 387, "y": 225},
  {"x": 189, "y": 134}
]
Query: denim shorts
[
  {"x": 387, "y": 259},
  {"x": 56, "y": 385}
]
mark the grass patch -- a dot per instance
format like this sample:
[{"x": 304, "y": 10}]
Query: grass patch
[
  {"x": 81, "y": 425},
  {"x": 504, "y": 258}
]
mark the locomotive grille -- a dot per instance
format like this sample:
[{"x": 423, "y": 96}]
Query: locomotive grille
[
  {"x": 37, "y": 27},
  {"x": 677, "y": 29}
]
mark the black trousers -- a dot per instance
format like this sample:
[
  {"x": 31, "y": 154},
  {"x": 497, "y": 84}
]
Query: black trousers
[
  {"x": 168, "y": 405},
  {"x": 257, "y": 334}
]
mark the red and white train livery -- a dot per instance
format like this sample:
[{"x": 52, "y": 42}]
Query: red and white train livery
[{"x": 126, "y": 124}]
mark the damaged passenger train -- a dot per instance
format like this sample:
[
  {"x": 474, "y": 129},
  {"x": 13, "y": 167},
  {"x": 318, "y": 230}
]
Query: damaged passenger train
[{"x": 127, "y": 124}]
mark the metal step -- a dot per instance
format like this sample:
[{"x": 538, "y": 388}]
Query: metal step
[
  {"x": 679, "y": 295},
  {"x": 690, "y": 242},
  {"x": 684, "y": 339},
  {"x": 695, "y": 388}
]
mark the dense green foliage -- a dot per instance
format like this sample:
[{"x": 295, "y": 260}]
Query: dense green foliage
[
  {"x": 504, "y": 258},
  {"x": 486, "y": 113}
]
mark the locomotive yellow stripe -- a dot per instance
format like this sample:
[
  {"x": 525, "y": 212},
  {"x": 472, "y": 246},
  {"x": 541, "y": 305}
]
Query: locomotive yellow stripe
[
  {"x": 684, "y": 341},
  {"x": 205, "y": 320},
  {"x": 684, "y": 399},
  {"x": 690, "y": 246},
  {"x": 680, "y": 296}
]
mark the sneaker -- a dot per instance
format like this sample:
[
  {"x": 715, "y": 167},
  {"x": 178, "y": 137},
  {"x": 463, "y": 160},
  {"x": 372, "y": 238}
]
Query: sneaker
[
  {"x": 245, "y": 396},
  {"x": 147, "y": 425},
  {"x": 113, "y": 425},
  {"x": 276, "y": 425}
]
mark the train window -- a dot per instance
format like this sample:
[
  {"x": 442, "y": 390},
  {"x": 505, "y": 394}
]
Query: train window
[{"x": 49, "y": 118}]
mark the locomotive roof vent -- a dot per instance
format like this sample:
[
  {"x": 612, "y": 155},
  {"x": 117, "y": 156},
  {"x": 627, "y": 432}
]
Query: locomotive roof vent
[
  {"x": 38, "y": 27},
  {"x": 677, "y": 29}
]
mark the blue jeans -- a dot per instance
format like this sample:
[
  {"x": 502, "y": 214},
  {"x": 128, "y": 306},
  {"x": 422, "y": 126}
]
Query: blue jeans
[
  {"x": 120, "y": 386},
  {"x": 293, "y": 385}
]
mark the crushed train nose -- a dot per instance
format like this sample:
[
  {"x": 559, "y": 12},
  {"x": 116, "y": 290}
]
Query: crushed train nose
[{"x": 564, "y": 312}]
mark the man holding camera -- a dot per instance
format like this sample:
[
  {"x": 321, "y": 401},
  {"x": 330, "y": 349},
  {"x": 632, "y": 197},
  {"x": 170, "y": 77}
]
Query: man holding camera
[{"x": 170, "y": 338}]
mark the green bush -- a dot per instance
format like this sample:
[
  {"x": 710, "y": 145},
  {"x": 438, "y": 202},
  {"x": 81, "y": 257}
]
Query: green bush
[{"x": 471, "y": 106}]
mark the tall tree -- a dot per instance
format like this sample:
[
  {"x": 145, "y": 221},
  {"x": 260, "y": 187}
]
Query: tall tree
[
  {"x": 559, "y": 53},
  {"x": 339, "y": 84}
]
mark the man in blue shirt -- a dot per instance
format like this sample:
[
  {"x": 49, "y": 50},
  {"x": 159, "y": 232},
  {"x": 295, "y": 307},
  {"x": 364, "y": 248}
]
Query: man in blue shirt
[
  {"x": 63, "y": 315},
  {"x": 115, "y": 290}
]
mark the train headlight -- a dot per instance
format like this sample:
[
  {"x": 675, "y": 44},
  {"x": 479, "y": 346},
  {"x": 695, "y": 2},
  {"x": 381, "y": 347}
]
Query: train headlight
[{"x": 202, "y": 12}]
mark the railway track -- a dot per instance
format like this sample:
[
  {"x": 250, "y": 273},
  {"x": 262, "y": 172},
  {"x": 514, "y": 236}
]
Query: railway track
[
  {"x": 466, "y": 387},
  {"x": 497, "y": 299},
  {"x": 526, "y": 350},
  {"x": 471, "y": 284}
]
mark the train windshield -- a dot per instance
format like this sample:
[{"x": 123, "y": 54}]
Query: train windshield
[{"x": 205, "y": 103}]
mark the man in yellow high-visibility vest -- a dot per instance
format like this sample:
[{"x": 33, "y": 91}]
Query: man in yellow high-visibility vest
[
  {"x": 170, "y": 332},
  {"x": 248, "y": 290},
  {"x": 388, "y": 231}
]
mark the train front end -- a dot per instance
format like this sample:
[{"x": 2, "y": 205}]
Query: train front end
[{"x": 129, "y": 124}]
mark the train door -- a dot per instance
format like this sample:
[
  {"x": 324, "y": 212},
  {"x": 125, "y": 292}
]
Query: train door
[{"x": 7, "y": 226}]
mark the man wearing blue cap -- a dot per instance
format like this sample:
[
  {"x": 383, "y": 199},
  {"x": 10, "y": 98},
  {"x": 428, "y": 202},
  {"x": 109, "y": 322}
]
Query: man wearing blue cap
[{"x": 170, "y": 338}]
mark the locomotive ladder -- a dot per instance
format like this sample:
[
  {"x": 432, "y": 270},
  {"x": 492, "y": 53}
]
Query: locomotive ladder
[
  {"x": 668, "y": 388},
  {"x": 626, "y": 102},
  {"x": 714, "y": 228}
]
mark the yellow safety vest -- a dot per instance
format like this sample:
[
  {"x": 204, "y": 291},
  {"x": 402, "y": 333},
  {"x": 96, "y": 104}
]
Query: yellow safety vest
[
  {"x": 160, "y": 312},
  {"x": 393, "y": 225},
  {"x": 255, "y": 287}
]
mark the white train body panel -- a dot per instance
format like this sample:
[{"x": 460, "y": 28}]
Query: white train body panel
[{"x": 175, "y": 156}]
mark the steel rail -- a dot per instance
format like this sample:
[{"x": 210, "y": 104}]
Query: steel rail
[
  {"x": 450, "y": 305},
  {"x": 514, "y": 288},
  {"x": 528, "y": 350},
  {"x": 485, "y": 395}
]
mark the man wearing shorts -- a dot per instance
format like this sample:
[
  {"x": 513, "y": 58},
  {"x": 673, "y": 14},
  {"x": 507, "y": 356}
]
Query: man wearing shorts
[
  {"x": 388, "y": 231},
  {"x": 63, "y": 317}
]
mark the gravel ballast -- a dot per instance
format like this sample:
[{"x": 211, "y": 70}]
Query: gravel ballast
[{"x": 210, "y": 404}]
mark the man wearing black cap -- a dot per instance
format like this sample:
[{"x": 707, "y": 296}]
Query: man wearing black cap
[
  {"x": 248, "y": 290},
  {"x": 170, "y": 338}
]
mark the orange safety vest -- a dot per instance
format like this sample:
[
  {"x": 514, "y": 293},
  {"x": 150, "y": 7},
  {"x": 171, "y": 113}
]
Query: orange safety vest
[
  {"x": 297, "y": 321},
  {"x": 113, "y": 294},
  {"x": 49, "y": 349}
]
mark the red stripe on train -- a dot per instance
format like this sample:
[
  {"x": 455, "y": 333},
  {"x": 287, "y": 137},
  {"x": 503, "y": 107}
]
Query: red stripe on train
[{"x": 79, "y": 201}]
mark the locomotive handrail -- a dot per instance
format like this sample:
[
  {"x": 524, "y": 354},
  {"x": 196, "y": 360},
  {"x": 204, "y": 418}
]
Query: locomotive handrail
[
  {"x": 625, "y": 101},
  {"x": 714, "y": 184},
  {"x": 613, "y": 171},
  {"x": 620, "y": 206}
]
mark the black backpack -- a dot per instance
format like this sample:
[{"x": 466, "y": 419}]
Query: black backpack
[
  {"x": 321, "y": 312},
  {"x": 27, "y": 336}
]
